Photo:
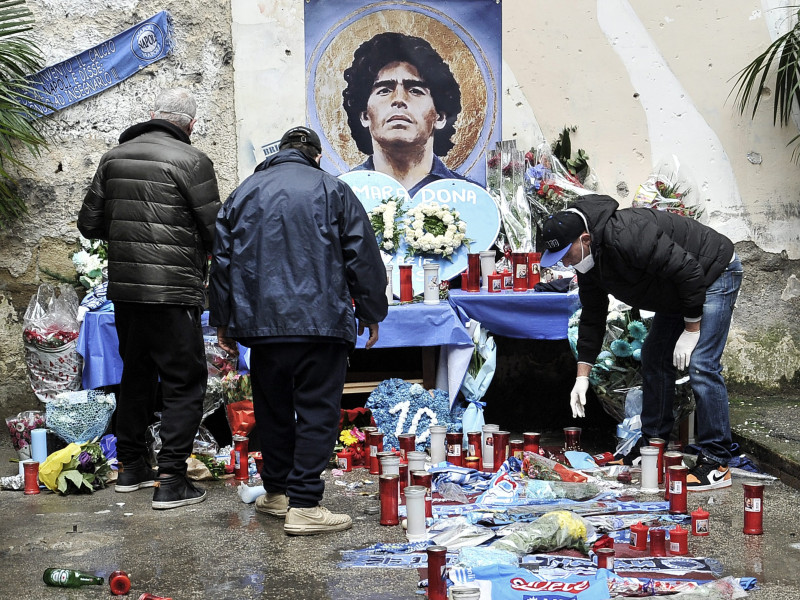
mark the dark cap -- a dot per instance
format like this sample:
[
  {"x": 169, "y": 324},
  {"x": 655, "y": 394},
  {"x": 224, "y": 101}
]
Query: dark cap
[
  {"x": 301, "y": 135},
  {"x": 558, "y": 233}
]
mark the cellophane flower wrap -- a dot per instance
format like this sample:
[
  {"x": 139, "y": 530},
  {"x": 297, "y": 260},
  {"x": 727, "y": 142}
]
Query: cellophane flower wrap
[
  {"x": 19, "y": 428},
  {"x": 617, "y": 368},
  {"x": 238, "y": 394},
  {"x": 552, "y": 531},
  {"x": 50, "y": 330},
  {"x": 218, "y": 364},
  {"x": 77, "y": 468},
  {"x": 671, "y": 188},
  {"x": 80, "y": 416}
]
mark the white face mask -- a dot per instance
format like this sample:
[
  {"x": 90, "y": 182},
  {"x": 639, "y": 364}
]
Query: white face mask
[{"x": 586, "y": 262}]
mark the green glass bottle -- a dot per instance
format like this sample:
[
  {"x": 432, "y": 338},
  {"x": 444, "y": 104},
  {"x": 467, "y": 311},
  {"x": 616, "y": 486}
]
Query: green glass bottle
[{"x": 69, "y": 578}]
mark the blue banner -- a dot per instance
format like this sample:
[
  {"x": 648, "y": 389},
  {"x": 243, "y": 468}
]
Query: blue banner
[{"x": 100, "y": 67}]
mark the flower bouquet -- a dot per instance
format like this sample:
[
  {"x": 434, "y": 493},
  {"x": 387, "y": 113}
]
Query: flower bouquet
[
  {"x": 669, "y": 188},
  {"x": 431, "y": 228},
  {"x": 218, "y": 364},
  {"x": 79, "y": 416},
  {"x": 20, "y": 428},
  {"x": 505, "y": 170},
  {"x": 90, "y": 261},
  {"x": 552, "y": 531},
  {"x": 77, "y": 468},
  {"x": 238, "y": 395},
  {"x": 351, "y": 437},
  {"x": 386, "y": 220}
]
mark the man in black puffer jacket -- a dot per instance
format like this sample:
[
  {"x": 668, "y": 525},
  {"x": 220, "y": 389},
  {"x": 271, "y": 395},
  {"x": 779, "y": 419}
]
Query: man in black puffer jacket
[
  {"x": 685, "y": 272},
  {"x": 295, "y": 264},
  {"x": 154, "y": 198}
]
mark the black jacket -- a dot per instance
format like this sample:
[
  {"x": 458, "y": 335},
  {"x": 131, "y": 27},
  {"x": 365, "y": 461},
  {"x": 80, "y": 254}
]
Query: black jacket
[
  {"x": 293, "y": 249},
  {"x": 154, "y": 198},
  {"x": 652, "y": 260}
]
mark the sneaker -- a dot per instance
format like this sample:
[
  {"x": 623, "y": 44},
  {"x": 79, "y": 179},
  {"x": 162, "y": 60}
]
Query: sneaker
[
  {"x": 274, "y": 505},
  {"x": 707, "y": 475},
  {"x": 632, "y": 458},
  {"x": 135, "y": 475},
  {"x": 174, "y": 491},
  {"x": 310, "y": 521}
]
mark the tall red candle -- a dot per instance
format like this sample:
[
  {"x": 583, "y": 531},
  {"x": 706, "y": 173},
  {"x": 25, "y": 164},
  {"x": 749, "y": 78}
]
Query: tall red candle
[
  {"x": 454, "y": 441},
  {"x": 677, "y": 489},
  {"x": 662, "y": 446},
  {"x": 658, "y": 542},
  {"x": 474, "y": 443},
  {"x": 753, "y": 508},
  {"x": 437, "y": 563},
  {"x": 519, "y": 265},
  {"x": 240, "y": 467},
  {"x": 533, "y": 268},
  {"x": 407, "y": 442},
  {"x": 423, "y": 478},
  {"x": 671, "y": 459},
  {"x": 500, "y": 447},
  {"x": 375, "y": 441},
  {"x": 473, "y": 272},
  {"x": 406, "y": 286},
  {"x": 530, "y": 442},
  {"x": 30, "y": 469},
  {"x": 389, "y": 488}
]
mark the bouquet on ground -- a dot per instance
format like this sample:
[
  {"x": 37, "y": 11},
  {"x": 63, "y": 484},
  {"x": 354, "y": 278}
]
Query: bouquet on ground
[
  {"x": 552, "y": 531},
  {"x": 670, "y": 188},
  {"x": 238, "y": 394},
  {"x": 434, "y": 229},
  {"x": 20, "y": 426},
  {"x": 386, "y": 220},
  {"x": 77, "y": 468},
  {"x": 351, "y": 436}
]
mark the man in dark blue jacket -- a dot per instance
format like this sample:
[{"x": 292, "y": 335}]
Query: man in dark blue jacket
[
  {"x": 685, "y": 272},
  {"x": 294, "y": 251}
]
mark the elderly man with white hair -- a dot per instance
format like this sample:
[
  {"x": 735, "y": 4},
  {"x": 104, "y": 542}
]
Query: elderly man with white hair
[{"x": 155, "y": 200}]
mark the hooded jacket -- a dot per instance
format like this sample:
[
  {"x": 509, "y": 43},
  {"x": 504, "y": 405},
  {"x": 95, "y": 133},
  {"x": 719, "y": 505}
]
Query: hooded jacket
[
  {"x": 293, "y": 250},
  {"x": 652, "y": 260},
  {"x": 154, "y": 199}
]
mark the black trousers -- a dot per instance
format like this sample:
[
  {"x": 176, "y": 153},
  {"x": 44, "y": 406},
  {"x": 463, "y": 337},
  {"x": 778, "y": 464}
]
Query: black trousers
[
  {"x": 306, "y": 379},
  {"x": 160, "y": 342}
]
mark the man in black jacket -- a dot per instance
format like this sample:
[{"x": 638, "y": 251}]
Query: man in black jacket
[
  {"x": 685, "y": 272},
  {"x": 154, "y": 198},
  {"x": 294, "y": 252}
]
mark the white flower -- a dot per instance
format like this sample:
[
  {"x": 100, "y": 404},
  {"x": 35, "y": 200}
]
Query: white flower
[
  {"x": 388, "y": 245},
  {"x": 462, "y": 227}
]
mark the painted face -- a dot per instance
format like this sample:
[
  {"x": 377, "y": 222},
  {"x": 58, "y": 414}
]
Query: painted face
[{"x": 400, "y": 108}]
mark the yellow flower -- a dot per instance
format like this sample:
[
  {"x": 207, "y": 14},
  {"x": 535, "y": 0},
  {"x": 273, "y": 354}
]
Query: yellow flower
[
  {"x": 347, "y": 438},
  {"x": 51, "y": 468},
  {"x": 571, "y": 523}
]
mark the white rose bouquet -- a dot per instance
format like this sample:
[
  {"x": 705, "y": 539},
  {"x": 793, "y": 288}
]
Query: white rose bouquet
[
  {"x": 386, "y": 220},
  {"x": 90, "y": 261},
  {"x": 432, "y": 228}
]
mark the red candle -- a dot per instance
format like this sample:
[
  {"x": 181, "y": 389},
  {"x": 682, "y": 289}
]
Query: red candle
[
  {"x": 508, "y": 279},
  {"x": 662, "y": 446},
  {"x": 423, "y": 478},
  {"x": 389, "y": 488},
  {"x": 495, "y": 283},
  {"x": 403, "y": 477},
  {"x": 639, "y": 537},
  {"x": 530, "y": 442},
  {"x": 454, "y": 441},
  {"x": 700, "y": 522},
  {"x": 500, "y": 448},
  {"x": 472, "y": 462},
  {"x": 474, "y": 443},
  {"x": 406, "y": 286},
  {"x": 572, "y": 438},
  {"x": 753, "y": 508},
  {"x": 605, "y": 558},
  {"x": 658, "y": 542},
  {"x": 519, "y": 264},
  {"x": 533, "y": 268},
  {"x": 516, "y": 448},
  {"x": 677, "y": 490},
  {"x": 407, "y": 442},
  {"x": 678, "y": 541},
  {"x": 473, "y": 272},
  {"x": 437, "y": 563},
  {"x": 671, "y": 459},
  {"x": 375, "y": 441},
  {"x": 344, "y": 460},
  {"x": 31, "y": 472},
  {"x": 240, "y": 467}
]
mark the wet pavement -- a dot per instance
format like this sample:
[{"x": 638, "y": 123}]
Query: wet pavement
[{"x": 222, "y": 549}]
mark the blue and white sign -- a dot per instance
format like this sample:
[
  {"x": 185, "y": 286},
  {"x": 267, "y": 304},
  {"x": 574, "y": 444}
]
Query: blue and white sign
[
  {"x": 100, "y": 67},
  {"x": 473, "y": 203}
]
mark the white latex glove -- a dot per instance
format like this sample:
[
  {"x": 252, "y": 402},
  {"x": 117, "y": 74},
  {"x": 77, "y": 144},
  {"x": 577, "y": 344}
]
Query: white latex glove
[
  {"x": 577, "y": 397},
  {"x": 684, "y": 348}
]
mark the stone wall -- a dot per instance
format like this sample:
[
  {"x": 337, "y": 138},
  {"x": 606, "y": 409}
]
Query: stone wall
[{"x": 80, "y": 134}]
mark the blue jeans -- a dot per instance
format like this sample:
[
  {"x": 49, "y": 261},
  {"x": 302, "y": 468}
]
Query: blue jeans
[{"x": 713, "y": 435}]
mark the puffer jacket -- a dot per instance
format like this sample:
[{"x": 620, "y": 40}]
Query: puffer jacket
[
  {"x": 293, "y": 251},
  {"x": 155, "y": 199},
  {"x": 652, "y": 260}
]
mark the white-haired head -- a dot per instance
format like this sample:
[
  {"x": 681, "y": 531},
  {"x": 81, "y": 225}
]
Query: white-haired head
[{"x": 177, "y": 106}]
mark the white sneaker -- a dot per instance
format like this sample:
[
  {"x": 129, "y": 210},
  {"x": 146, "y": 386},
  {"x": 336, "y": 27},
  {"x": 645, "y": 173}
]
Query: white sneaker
[{"x": 311, "y": 521}]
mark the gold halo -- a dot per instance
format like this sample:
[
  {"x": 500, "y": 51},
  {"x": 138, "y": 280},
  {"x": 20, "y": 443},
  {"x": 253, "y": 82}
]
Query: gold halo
[{"x": 329, "y": 82}]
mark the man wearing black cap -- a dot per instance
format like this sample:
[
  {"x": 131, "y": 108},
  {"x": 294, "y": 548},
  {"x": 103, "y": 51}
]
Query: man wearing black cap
[
  {"x": 294, "y": 252},
  {"x": 689, "y": 276}
]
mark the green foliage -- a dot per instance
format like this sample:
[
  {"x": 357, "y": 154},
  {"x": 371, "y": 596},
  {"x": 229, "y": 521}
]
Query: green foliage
[
  {"x": 751, "y": 83},
  {"x": 19, "y": 56}
]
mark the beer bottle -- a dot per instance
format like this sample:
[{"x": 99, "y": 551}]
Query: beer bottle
[{"x": 69, "y": 578}]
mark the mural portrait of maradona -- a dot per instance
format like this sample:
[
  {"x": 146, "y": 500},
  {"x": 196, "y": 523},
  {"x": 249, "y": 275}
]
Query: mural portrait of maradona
[{"x": 412, "y": 106}]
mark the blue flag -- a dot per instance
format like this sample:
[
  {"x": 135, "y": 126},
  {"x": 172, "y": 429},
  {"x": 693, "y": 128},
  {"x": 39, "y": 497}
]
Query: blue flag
[{"x": 101, "y": 67}]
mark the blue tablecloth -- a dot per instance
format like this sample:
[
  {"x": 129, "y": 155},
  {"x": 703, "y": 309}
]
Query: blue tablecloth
[
  {"x": 407, "y": 325},
  {"x": 526, "y": 315}
]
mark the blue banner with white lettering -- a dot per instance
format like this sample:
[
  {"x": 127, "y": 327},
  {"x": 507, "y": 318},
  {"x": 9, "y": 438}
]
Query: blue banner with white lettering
[{"x": 101, "y": 67}]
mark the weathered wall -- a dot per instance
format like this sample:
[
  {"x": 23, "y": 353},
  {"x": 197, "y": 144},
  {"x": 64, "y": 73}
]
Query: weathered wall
[{"x": 54, "y": 188}]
